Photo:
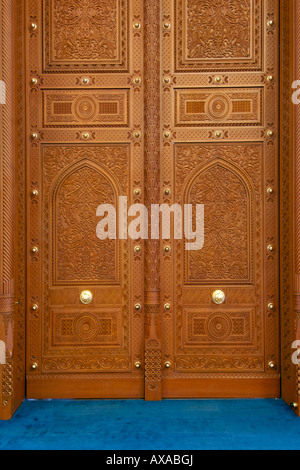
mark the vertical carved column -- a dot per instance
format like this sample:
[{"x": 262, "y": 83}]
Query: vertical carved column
[
  {"x": 7, "y": 208},
  {"x": 152, "y": 196},
  {"x": 297, "y": 187}
]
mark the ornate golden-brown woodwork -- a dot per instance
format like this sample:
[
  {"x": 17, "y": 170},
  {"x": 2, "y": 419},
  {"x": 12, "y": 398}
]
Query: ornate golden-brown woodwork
[
  {"x": 152, "y": 25},
  {"x": 219, "y": 105},
  {"x": 179, "y": 104},
  {"x": 7, "y": 212}
]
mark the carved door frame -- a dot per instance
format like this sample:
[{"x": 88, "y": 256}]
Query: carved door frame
[{"x": 12, "y": 205}]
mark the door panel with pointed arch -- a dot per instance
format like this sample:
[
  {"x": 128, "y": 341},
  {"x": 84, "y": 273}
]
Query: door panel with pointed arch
[
  {"x": 85, "y": 116},
  {"x": 220, "y": 88}
]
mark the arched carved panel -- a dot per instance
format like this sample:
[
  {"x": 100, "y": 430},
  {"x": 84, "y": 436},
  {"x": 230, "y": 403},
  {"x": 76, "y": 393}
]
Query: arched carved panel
[
  {"x": 226, "y": 256},
  {"x": 85, "y": 106},
  {"x": 78, "y": 254}
]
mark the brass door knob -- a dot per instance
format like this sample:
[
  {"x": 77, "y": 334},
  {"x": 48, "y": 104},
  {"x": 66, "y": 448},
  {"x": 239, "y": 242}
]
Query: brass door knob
[
  {"x": 86, "y": 297},
  {"x": 218, "y": 297}
]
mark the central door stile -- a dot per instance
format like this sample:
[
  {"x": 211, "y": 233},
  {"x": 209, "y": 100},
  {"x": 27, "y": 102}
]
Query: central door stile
[{"x": 152, "y": 196}]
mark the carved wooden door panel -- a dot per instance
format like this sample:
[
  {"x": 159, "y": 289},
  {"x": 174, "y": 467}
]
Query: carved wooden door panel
[
  {"x": 220, "y": 149},
  {"x": 84, "y": 122}
]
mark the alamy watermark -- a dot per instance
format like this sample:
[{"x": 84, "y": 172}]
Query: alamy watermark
[
  {"x": 296, "y": 354},
  {"x": 187, "y": 222},
  {"x": 2, "y": 92},
  {"x": 2, "y": 353}
]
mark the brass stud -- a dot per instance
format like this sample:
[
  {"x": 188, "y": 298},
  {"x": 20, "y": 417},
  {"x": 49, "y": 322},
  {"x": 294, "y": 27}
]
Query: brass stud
[
  {"x": 85, "y": 81},
  {"x": 137, "y": 192},
  {"x": 137, "y": 26},
  {"x": 137, "y": 135},
  {"x": 86, "y": 297},
  {"x": 218, "y": 134},
  {"x": 270, "y": 248},
  {"x": 270, "y": 133},
  {"x": 35, "y": 193},
  {"x": 85, "y": 135},
  {"x": 34, "y": 81},
  {"x": 167, "y": 307},
  {"x": 270, "y": 190},
  {"x": 270, "y": 78},
  {"x": 271, "y": 306},
  {"x": 137, "y": 249},
  {"x": 167, "y": 192},
  {"x": 34, "y": 136},
  {"x": 218, "y": 79},
  {"x": 138, "y": 307},
  {"x": 294, "y": 405},
  {"x": 272, "y": 365},
  {"x": 34, "y": 366},
  {"x": 167, "y": 26},
  {"x": 167, "y": 249},
  {"x": 218, "y": 297},
  {"x": 270, "y": 23},
  {"x": 138, "y": 365},
  {"x": 33, "y": 26},
  {"x": 35, "y": 250},
  {"x": 167, "y": 80},
  {"x": 168, "y": 365},
  {"x": 167, "y": 135},
  {"x": 137, "y": 80},
  {"x": 35, "y": 308}
]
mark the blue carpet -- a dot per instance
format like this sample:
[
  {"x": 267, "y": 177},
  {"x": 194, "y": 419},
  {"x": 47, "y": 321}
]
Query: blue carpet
[{"x": 139, "y": 425}]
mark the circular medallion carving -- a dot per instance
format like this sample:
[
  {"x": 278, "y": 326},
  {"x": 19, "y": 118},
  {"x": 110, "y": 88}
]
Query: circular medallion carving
[
  {"x": 87, "y": 327},
  {"x": 85, "y": 108},
  {"x": 218, "y": 107},
  {"x": 219, "y": 327}
]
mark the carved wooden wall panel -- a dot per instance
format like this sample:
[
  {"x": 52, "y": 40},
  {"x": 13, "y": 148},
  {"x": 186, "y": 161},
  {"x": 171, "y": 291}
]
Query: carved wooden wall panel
[
  {"x": 85, "y": 148},
  {"x": 220, "y": 149}
]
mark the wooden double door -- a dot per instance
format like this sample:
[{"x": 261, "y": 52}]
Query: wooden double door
[{"x": 164, "y": 102}]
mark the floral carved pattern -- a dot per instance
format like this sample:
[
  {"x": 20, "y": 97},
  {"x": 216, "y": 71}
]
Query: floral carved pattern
[
  {"x": 218, "y": 28},
  {"x": 226, "y": 249},
  {"x": 85, "y": 29},
  {"x": 80, "y": 255}
]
